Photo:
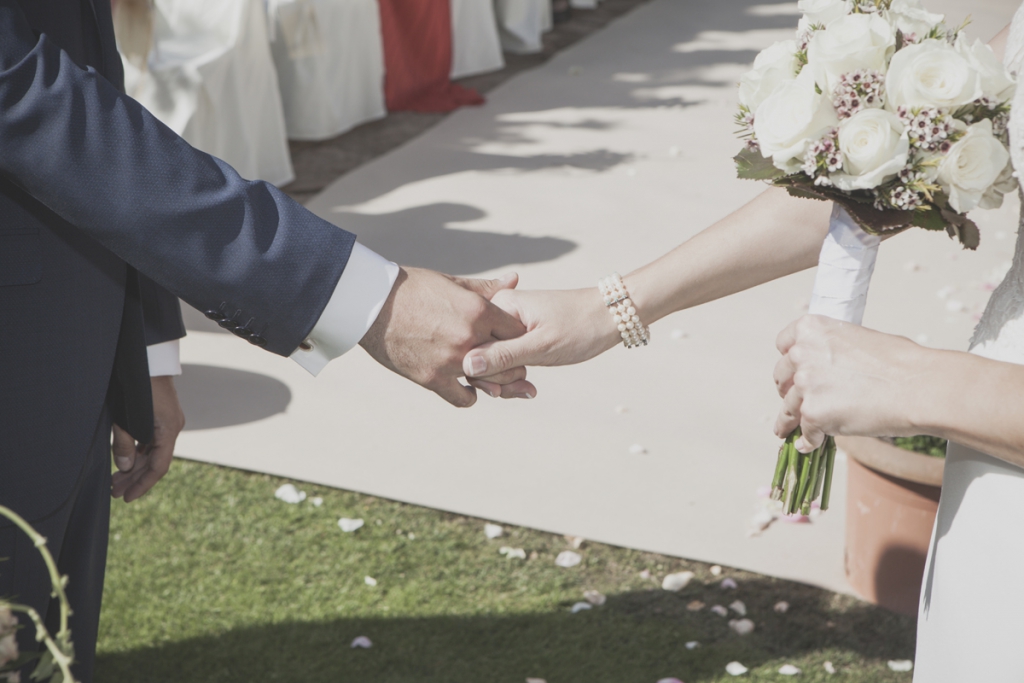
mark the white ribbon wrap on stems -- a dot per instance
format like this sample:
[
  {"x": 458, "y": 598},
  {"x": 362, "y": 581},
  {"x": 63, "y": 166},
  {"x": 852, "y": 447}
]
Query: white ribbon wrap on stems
[{"x": 845, "y": 266}]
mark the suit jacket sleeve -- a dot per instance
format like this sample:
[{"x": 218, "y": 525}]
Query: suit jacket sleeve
[{"x": 239, "y": 250}]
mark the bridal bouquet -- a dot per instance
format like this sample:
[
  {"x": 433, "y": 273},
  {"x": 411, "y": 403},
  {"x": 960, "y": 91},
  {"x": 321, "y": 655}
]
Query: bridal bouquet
[{"x": 900, "y": 121}]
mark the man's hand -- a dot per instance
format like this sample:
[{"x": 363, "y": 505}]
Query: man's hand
[
  {"x": 140, "y": 466},
  {"x": 843, "y": 379},
  {"x": 428, "y": 324}
]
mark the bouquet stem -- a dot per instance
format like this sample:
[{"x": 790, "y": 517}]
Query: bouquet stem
[{"x": 845, "y": 266}]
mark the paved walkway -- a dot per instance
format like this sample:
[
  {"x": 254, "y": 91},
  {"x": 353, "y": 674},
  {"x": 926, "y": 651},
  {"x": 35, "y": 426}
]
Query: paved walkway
[{"x": 610, "y": 154}]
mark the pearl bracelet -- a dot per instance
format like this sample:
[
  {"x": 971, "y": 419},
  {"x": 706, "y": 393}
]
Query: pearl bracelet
[{"x": 617, "y": 300}]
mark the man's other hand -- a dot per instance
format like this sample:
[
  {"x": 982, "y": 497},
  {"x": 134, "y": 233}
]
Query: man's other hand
[
  {"x": 428, "y": 324},
  {"x": 140, "y": 466}
]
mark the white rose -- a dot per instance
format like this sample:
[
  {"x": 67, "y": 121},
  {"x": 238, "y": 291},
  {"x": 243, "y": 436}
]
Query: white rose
[
  {"x": 874, "y": 147},
  {"x": 856, "y": 41},
  {"x": 823, "y": 12},
  {"x": 996, "y": 81},
  {"x": 913, "y": 20},
  {"x": 773, "y": 66},
  {"x": 931, "y": 74},
  {"x": 790, "y": 119},
  {"x": 972, "y": 166}
]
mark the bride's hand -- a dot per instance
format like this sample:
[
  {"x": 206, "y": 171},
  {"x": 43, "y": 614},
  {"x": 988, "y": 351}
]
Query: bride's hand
[
  {"x": 842, "y": 379},
  {"x": 562, "y": 327}
]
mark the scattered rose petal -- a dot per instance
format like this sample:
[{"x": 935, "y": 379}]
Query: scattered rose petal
[
  {"x": 796, "y": 518},
  {"x": 512, "y": 553},
  {"x": 568, "y": 558},
  {"x": 900, "y": 665},
  {"x": 673, "y": 151},
  {"x": 761, "y": 520},
  {"x": 678, "y": 334},
  {"x": 677, "y": 581},
  {"x": 945, "y": 292},
  {"x": 493, "y": 531},
  {"x": 741, "y": 626},
  {"x": 911, "y": 266},
  {"x": 289, "y": 494},
  {"x": 580, "y": 607},
  {"x": 369, "y": 581},
  {"x": 719, "y": 610},
  {"x": 830, "y": 668},
  {"x": 637, "y": 449},
  {"x": 954, "y": 306},
  {"x": 728, "y": 584},
  {"x": 621, "y": 409},
  {"x": 534, "y": 555},
  {"x": 349, "y": 525},
  {"x": 594, "y": 597},
  {"x": 695, "y": 606},
  {"x": 576, "y": 541},
  {"x": 735, "y": 669},
  {"x": 411, "y": 536},
  {"x": 716, "y": 570},
  {"x": 535, "y": 680},
  {"x": 781, "y": 607},
  {"x": 363, "y": 642},
  {"x": 669, "y": 680},
  {"x": 317, "y": 501},
  {"x": 739, "y": 608},
  {"x": 692, "y": 645},
  {"x": 788, "y": 670},
  {"x": 645, "y": 574}
]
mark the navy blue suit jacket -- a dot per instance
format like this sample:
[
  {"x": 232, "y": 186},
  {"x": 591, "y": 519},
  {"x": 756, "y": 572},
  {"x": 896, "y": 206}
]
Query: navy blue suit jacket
[{"x": 94, "y": 191}]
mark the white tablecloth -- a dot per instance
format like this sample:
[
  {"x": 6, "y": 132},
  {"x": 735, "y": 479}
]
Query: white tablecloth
[
  {"x": 521, "y": 23},
  {"x": 476, "y": 47},
  {"x": 330, "y": 63},
  {"x": 211, "y": 79}
]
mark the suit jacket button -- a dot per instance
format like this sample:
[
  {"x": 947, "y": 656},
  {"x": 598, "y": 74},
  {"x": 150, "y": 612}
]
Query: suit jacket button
[
  {"x": 257, "y": 340},
  {"x": 214, "y": 315}
]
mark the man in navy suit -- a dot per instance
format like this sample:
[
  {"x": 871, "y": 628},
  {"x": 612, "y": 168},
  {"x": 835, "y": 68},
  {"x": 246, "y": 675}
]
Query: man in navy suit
[{"x": 106, "y": 217}]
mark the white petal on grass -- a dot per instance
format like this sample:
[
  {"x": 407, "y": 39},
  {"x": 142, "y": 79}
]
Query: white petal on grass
[
  {"x": 735, "y": 669},
  {"x": 789, "y": 670},
  {"x": 637, "y": 449},
  {"x": 512, "y": 553},
  {"x": 728, "y": 584},
  {"x": 695, "y": 605},
  {"x": 594, "y": 597},
  {"x": 568, "y": 558},
  {"x": 645, "y": 574},
  {"x": 535, "y": 680},
  {"x": 781, "y": 607},
  {"x": 900, "y": 665},
  {"x": 317, "y": 501},
  {"x": 830, "y": 668},
  {"x": 349, "y": 525},
  {"x": 369, "y": 581},
  {"x": 739, "y": 608},
  {"x": 581, "y": 607},
  {"x": 289, "y": 494},
  {"x": 493, "y": 531},
  {"x": 362, "y": 642},
  {"x": 677, "y": 582},
  {"x": 719, "y": 610},
  {"x": 715, "y": 570},
  {"x": 669, "y": 680},
  {"x": 742, "y": 626},
  {"x": 692, "y": 645}
]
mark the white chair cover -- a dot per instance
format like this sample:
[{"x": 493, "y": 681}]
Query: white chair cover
[
  {"x": 210, "y": 78},
  {"x": 330, "y": 64},
  {"x": 476, "y": 47},
  {"x": 521, "y": 23}
]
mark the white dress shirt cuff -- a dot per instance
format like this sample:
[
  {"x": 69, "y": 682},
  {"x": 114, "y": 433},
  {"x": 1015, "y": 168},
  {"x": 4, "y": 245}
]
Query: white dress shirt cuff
[
  {"x": 165, "y": 358},
  {"x": 363, "y": 289}
]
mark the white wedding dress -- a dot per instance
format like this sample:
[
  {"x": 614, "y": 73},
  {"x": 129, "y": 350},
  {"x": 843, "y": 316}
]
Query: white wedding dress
[{"x": 971, "y": 619}]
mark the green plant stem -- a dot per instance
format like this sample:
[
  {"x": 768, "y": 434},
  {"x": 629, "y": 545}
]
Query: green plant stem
[
  {"x": 830, "y": 460},
  {"x": 60, "y": 659},
  {"x": 780, "y": 471},
  {"x": 55, "y": 579}
]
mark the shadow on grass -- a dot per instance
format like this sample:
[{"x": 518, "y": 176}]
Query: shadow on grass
[{"x": 638, "y": 636}]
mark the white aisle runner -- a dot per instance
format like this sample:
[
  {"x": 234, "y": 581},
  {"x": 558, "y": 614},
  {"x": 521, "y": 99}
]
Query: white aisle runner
[{"x": 607, "y": 156}]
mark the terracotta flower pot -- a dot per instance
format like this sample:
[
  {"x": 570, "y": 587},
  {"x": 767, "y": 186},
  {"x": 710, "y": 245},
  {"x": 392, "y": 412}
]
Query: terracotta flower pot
[{"x": 891, "y": 503}]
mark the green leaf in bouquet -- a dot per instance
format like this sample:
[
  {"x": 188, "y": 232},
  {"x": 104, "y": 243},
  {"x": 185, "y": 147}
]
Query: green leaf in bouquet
[
  {"x": 860, "y": 206},
  {"x": 46, "y": 668},
  {"x": 750, "y": 165},
  {"x": 930, "y": 219},
  {"x": 958, "y": 225}
]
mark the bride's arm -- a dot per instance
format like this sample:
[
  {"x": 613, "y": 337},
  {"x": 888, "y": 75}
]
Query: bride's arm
[
  {"x": 838, "y": 378},
  {"x": 771, "y": 236}
]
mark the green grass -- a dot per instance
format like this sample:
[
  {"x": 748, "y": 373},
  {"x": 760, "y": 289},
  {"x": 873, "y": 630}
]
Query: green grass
[
  {"x": 927, "y": 445},
  {"x": 212, "y": 579}
]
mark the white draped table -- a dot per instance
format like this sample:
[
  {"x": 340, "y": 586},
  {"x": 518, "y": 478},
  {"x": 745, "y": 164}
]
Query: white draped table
[
  {"x": 476, "y": 47},
  {"x": 521, "y": 24}
]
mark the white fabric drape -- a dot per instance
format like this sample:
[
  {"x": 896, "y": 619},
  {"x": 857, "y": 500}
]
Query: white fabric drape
[
  {"x": 329, "y": 56},
  {"x": 476, "y": 47},
  {"x": 521, "y": 23},
  {"x": 210, "y": 78}
]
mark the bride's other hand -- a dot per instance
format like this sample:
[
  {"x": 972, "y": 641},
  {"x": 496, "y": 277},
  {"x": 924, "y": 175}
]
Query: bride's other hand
[
  {"x": 562, "y": 327},
  {"x": 840, "y": 378}
]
